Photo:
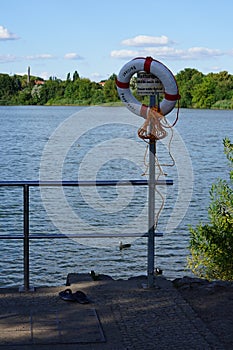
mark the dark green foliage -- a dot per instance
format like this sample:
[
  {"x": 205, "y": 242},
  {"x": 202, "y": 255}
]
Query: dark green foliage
[
  {"x": 9, "y": 86},
  {"x": 75, "y": 76},
  {"x": 211, "y": 244},
  {"x": 187, "y": 80},
  {"x": 214, "y": 90},
  {"x": 68, "y": 77},
  {"x": 110, "y": 90}
]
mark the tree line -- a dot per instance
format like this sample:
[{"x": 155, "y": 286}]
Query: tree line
[{"x": 197, "y": 90}]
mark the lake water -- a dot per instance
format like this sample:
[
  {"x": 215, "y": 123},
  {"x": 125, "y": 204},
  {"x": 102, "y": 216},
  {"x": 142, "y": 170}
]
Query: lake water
[{"x": 74, "y": 143}]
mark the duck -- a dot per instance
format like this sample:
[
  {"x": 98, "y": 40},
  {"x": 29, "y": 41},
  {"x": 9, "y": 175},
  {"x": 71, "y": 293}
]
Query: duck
[
  {"x": 95, "y": 276},
  {"x": 158, "y": 271},
  {"x": 124, "y": 246}
]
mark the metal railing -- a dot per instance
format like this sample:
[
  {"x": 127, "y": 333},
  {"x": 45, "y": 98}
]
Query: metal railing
[{"x": 26, "y": 209}]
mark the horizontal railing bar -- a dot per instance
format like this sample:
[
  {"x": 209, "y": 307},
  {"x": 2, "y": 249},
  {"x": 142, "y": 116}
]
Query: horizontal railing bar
[
  {"x": 86, "y": 183},
  {"x": 81, "y": 235},
  {"x": 11, "y": 237}
]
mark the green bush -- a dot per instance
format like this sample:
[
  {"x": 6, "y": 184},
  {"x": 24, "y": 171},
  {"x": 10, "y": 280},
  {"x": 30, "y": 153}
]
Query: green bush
[
  {"x": 223, "y": 104},
  {"x": 211, "y": 244}
]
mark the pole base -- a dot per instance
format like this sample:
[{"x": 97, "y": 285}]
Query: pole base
[{"x": 31, "y": 289}]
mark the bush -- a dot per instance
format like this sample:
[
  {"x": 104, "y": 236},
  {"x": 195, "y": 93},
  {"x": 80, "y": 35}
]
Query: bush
[
  {"x": 223, "y": 104},
  {"x": 211, "y": 245}
]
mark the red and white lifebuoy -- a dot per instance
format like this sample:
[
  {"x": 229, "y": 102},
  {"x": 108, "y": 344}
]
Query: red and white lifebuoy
[{"x": 149, "y": 65}]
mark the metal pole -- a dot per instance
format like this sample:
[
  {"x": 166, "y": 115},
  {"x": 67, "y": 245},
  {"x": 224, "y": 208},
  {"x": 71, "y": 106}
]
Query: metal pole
[
  {"x": 151, "y": 209},
  {"x": 26, "y": 236}
]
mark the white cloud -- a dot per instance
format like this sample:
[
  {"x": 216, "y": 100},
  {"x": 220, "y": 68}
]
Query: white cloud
[
  {"x": 148, "y": 51},
  {"x": 163, "y": 47},
  {"x": 145, "y": 40},
  {"x": 7, "y": 58},
  {"x": 72, "y": 56},
  {"x": 123, "y": 53},
  {"x": 192, "y": 53},
  {"x": 216, "y": 68},
  {"x": 39, "y": 56},
  {"x": 44, "y": 75},
  {"x": 96, "y": 76},
  {"x": 12, "y": 58},
  {"x": 165, "y": 52},
  {"x": 204, "y": 51},
  {"x": 6, "y": 35}
]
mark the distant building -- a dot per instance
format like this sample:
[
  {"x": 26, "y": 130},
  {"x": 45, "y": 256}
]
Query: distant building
[
  {"x": 102, "y": 82},
  {"x": 39, "y": 82}
]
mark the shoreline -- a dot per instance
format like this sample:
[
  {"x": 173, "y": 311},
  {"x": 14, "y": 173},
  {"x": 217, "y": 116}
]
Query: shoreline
[{"x": 110, "y": 104}]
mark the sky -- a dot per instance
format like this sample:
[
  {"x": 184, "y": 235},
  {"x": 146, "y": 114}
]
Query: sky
[{"x": 97, "y": 38}]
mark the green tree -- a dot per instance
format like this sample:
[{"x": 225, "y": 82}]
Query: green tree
[
  {"x": 85, "y": 89},
  {"x": 36, "y": 94},
  {"x": 97, "y": 94},
  {"x": 224, "y": 85},
  {"x": 69, "y": 91},
  {"x": 16, "y": 83},
  {"x": 52, "y": 90},
  {"x": 211, "y": 245},
  {"x": 68, "y": 78},
  {"x": 110, "y": 90},
  {"x": 75, "y": 76},
  {"x": 223, "y": 90},
  {"x": 204, "y": 93},
  {"x": 187, "y": 80},
  {"x": 9, "y": 86},
  {"x": 24, "y": 97}
]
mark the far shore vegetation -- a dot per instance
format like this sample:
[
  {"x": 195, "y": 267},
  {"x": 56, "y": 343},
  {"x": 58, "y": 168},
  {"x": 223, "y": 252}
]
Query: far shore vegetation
[{"x": 197, "y": 90}]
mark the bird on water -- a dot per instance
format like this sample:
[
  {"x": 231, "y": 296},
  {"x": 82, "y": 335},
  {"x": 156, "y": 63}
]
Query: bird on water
[{"x": 124, "y": 245}]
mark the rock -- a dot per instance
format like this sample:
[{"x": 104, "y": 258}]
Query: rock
[
  {"x": 73, "y": 278},
  {"x": 189, "y": 282}
]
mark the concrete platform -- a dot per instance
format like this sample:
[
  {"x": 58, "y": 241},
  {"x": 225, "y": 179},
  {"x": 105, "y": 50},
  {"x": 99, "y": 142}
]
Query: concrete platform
[{"x": 122, "y": 315}]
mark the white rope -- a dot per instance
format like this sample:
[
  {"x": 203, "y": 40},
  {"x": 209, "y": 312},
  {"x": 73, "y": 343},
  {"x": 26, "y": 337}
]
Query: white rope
[{"x": 159, "y": 168}]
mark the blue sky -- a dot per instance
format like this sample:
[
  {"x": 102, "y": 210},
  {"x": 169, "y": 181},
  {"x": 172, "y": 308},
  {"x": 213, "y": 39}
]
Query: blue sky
[{"x": 96, "y": 38}]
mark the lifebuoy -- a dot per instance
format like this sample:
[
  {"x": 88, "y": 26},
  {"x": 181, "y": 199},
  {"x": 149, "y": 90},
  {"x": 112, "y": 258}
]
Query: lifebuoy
[{"x": 149, "y": 65}]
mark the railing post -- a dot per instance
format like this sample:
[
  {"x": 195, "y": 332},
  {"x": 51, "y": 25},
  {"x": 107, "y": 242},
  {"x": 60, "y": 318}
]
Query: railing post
[
  {"x": 26, "y": 236},
  {"x": 26, "y": 286},
  {"x": 151, "y": 215},
  {"x": 151, "y": 209}
]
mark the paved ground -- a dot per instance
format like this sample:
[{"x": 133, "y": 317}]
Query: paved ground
[{"x": 122, "y": 315}]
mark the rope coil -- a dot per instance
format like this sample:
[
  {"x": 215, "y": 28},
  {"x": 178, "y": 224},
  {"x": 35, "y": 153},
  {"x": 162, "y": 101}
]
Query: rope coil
[{"x": 152, "y": 129}]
